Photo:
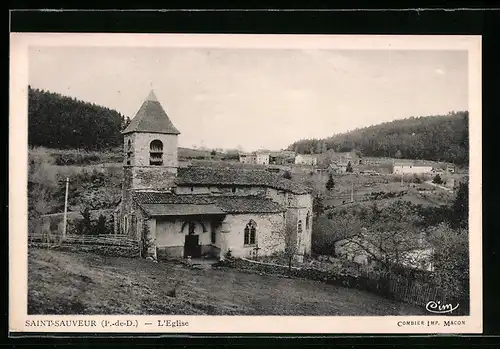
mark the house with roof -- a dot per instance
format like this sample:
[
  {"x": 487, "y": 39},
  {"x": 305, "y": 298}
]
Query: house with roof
[
  {"x": 306, "y": 159},
  {"x": 260, "y": 157},
  {"x": 412, "y": 168},
  {"x": 197, "y": 211}
]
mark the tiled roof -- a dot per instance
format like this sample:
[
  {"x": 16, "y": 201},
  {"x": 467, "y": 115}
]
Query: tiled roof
[
  {"x": 169, "y": 204},
  {"x": 225, "y": 176},
  {"x": 151, "y": 117},
  {"x": 246, "y": 204},
  {"x": 181, "y": 209}
]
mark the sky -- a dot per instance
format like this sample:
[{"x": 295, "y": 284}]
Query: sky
[{"x": 258, "y": 98}]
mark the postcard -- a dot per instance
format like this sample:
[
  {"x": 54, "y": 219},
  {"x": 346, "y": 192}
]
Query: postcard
[{"x": 307, "y": 184}]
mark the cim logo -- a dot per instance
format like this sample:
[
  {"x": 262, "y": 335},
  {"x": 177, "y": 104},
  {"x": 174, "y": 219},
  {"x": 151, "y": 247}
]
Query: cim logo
[{"x": 438, "y": 308}]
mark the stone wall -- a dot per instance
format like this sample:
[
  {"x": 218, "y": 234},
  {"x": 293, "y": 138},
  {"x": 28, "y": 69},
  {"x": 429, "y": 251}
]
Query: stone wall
[
  {"x": 269, "y": 238},
  {"x": 140, "y": 148}
]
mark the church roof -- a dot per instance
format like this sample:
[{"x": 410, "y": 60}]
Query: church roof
[
  {"x": 228, "y": 176},
  {"x": 151, "y": 117},
  {"x": 169, "y": 204}
]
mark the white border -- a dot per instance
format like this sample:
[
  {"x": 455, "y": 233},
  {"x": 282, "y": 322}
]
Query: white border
[{"x": 18, "y": 160}]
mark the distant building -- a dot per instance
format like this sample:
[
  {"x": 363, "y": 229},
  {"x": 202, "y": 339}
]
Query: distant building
[
  {"x": 282, "y": 157},
  {"x": 411, "y": 168},
  {"x": 304, "y": 159},
  {"x": 257, "y": 157},
  {"x": 248, "y": 158}
]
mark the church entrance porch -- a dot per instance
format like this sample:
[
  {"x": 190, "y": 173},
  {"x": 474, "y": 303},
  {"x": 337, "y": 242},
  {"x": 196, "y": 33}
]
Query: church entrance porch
[{"x": 192, "y": 247}]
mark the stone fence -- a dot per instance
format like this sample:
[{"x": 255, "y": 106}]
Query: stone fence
[{"x": 107, "y": 245}]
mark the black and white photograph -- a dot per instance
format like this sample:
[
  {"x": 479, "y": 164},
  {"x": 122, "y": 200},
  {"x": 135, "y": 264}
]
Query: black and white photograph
[{"x": 188, "y": 176}]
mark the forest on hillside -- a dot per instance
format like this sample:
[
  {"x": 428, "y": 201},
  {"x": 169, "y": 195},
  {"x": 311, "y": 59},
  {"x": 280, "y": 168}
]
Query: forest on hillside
[
  {"x": 57, "y": 121},
  {"x": 439, "y": 138}
]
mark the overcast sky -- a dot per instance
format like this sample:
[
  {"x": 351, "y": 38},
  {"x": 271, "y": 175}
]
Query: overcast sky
[{"x": 258, "y": 98}]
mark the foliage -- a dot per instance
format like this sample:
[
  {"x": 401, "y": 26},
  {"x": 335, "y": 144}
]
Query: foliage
[
  {"x": 330, "y": 184},
  {"x": 437, "y": 179},
  {"x": 84, "y": 226},
  {"x": 349, "y": 167},
  {"x": 460, "y": 207},
  {"x": 318, "y": 207},
  {"x": 101, "y": 225},
  {"x": 326, "y": 232},
  {"x": 451, "y": 260},
  {"x": 57, "y": 121},
  {"x": 422, "y": 137}
]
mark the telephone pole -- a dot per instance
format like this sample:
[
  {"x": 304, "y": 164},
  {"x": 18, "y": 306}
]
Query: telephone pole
[
  {"x": 352, "y": 191},
  {"x": 65, "y": 208}
]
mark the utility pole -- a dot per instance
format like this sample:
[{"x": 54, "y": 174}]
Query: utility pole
[
  {"x": 352, "y": 191},
  {"x": 65, "y": 208}
]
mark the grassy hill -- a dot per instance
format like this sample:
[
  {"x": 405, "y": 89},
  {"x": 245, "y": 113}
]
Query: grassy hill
[{"x": 70, "y": 283}]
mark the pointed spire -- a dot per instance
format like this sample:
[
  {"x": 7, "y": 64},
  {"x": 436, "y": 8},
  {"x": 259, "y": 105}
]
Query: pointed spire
[
  {"x": 152, "y": 97},
  {"x": 151, "y": 117}
]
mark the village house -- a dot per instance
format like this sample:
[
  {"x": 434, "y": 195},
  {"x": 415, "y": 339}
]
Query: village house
[
  {"x": 282, "y": 157},
  {"x": 412, "y": 168},
  {"x": 202, "y": 211},
  {"x": 305, "y": 159},
  {"x": 259, "y": 157}
]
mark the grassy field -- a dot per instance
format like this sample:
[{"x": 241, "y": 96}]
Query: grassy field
[{"x": 68, "y": 283}]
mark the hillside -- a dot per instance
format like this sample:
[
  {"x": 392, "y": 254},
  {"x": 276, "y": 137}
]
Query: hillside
[
  {"x": 57, "y": 121},
  {"x": 71, "y": 283},
  {"x": 439, "y": 138}
]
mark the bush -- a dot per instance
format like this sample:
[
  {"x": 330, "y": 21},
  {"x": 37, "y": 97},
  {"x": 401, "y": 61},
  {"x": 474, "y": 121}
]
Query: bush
[
  {"x": 437, "y": 179},
  {"x": 287, "y": 175}
]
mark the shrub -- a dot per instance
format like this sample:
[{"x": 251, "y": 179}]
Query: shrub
[{"x": 437, "y": 179}]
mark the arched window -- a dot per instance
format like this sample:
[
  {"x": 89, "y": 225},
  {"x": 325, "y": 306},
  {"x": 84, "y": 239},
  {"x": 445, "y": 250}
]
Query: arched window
[
  {"x": 125, "y": 224},
  {"x": 129, "y": 151},
  {"x": 156, "y": 153},
  {"x": 308, "y": 219},
  {"x": 250, "y": 233}
]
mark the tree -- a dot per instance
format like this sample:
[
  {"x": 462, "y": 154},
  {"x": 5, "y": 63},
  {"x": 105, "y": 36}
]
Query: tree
[
  {"x": 213, "y": 153},
  {"x": 100, "y": 227},
  {"x": 460, "y": 207},
  {"x": 318, "y": 207},
  {"x": 451, "y": 261},
  {"x": 398, "y": 154},
  {"x": 391, "y": 235},
  {"x": 437, "y": 179},
  {"x": 287, "y": 175},
  {"x": 326, "y": 232},
  {"x": 349, "y": 167},
  {"x": 330, "y": 184}
]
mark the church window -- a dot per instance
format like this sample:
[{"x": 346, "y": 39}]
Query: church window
[
  {"x": 250, "y": 233},
  {"x": 125, "y": 224},
  {"x": 156, "y": 153},
  {"x": 129, "y": 152},
  {"x": 308, "y": 218}
]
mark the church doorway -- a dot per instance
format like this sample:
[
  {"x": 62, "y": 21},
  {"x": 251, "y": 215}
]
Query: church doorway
[{"x": 192, "y": 245}]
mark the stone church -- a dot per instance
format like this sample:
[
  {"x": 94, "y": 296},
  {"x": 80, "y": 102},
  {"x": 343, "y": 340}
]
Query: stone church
[{"x": 203, "y": 211}]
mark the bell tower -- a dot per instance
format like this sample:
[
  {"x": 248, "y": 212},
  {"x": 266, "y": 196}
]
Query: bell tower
[{"x": 150, "y": 149}]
